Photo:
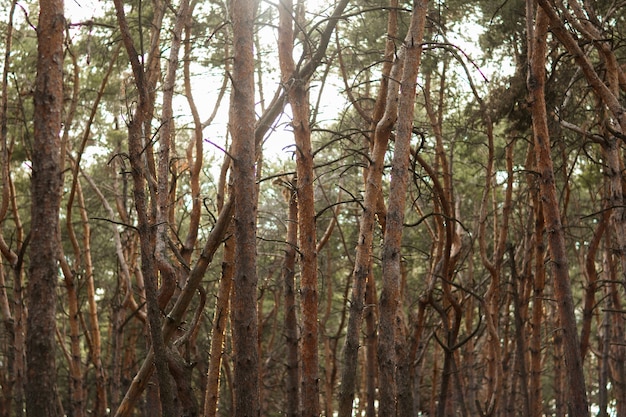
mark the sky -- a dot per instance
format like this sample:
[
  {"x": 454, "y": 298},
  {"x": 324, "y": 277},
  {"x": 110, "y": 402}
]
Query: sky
[{"x": 207, "y": 81}]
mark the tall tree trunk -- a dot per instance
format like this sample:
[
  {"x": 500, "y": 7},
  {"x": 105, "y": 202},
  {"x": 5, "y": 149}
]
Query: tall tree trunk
[
  {"x": 617, "y": 354},
  {"x": 244, "y": 297},
  {"x": 605, "y": 338},
  {"x": 41, "y": 389},
  {"x": 7, "y": 377},
  {"x": 95, "y": 345},
  {"x": 537, "y": 52},
  {"x": 17, "y": 355},
  {"x": 165, "y": 197},
  {"x": 392, "y": 274},
  {"x": 607, "y": 89},
  {"x": 592, "y": 279},
  {"x": 291, "y": 321},
  {"x": 539, "y": 283},
  {"x": 142, "y": 163},
  {"x": 297, "y": 93},
  {"x": 383, "y": 119},
  {"x": 20, "y": 318},
  {"x": 8, "y": 380}
]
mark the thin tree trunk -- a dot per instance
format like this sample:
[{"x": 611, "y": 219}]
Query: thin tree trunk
[
  {"x": 390, "y": 292},
  {"x": 143, "y": 171},
  {"x": 165, "y": 197},
  {"x": 520, "y": 337},
  {"x": 76, "y": 391},
  {"x": 222, "y": 311},
  {"x": 41, "y": 390},
  {"x": 383, "y": 119},
  {"x": 7, "y": 377},
  {"x": 82, "y": 250},
  {"x": 297, "y": 93},
  {"x": 95, "y": 344},
  {"x": 537, "y": 46},
  {"x": 605, "y": 343},
  {"x": 617, "y": 354},
  {"x": 536, "y": 390},
  {"x": 8, "y": 380},
  {"x": 371, "y": 344},
  {"x": 20, "y": 317},
  {"x": 592, "y": 279},
  {"x": 291, "y": 322},
  {"x": 195, "y": 155}
]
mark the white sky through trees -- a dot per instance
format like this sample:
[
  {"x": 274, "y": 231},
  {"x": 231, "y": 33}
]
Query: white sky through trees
[{"x": 279, "y": 142}]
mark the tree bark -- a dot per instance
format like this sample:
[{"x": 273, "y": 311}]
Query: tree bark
[
  {"x": 297, "y": 93},
  {"x": 9, "y": 380},
  {"x": 175, "y": 316},
  {"x": 392, "y": 242},
  {"x": 41, "y": 389},
  {"x": 143, "y": 172},
  {"x": 220, "y": 317},
  {"x": 383, "y": 119},
  {"x": 537, "y": 52},
  {"x": 244, "y": 297},
  {"x": 291, "y": 320},
  {"x": 539, "y": 283}
]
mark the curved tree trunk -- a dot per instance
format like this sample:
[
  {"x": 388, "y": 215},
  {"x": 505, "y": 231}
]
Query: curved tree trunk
[
  {"x": 362, "y": 273},
  {"x": 297, "y": 93},
  {"x": 390, "y": 292},
  {"x": 537, "y": 52}
]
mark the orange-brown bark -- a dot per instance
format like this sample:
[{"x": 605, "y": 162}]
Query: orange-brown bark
[
  {"x": 244, "y": 298},
  {"x": 46, "y": 183},
  {"x": 390, "y": 292},
  {"x": 297, "y": 93},
  {"x": 537, "y": 51}
]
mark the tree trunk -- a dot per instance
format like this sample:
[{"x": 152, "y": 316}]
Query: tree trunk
[
  {"x": 605, "y": 340},
  {"x": 74, "y": 358},
  {"x": 297, "y": 93},
  {"x": 520, "y": 337},
  {"x": 371, "y": 345},
  {"x": 291, "y": 321},
  {"x": 537, "y": 52},
  {"x": 392, "y": 242},
  {"x": 41, "y": 389},
  {"x": 222, "y": 311},
  {"x": 383, "y": 118},
  {"x": 165, "y": 197},
  {"x": 143, "y": 171},
  {"x": 539, "y": 283},
  {"x": 244, "y": 297},
  {"x": 9, "y": 380}
]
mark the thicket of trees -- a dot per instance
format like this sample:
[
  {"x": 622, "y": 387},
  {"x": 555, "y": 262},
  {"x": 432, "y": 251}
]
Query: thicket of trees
[{"x": 442, "y": 234}]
